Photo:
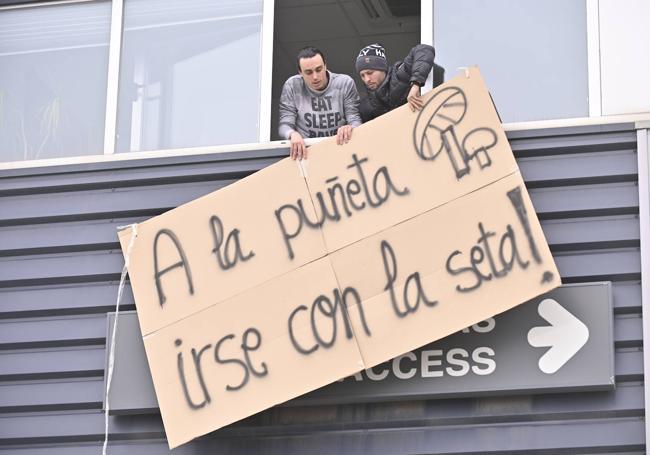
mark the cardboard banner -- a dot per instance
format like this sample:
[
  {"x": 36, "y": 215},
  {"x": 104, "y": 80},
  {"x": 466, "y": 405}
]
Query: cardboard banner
[{"x": 298, "y": 276}]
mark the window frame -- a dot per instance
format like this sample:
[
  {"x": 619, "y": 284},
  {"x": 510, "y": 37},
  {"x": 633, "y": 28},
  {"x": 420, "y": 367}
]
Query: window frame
[
  {"x": 643, "y": 163},
  {"x": 594, "y": 103},
  {"x": 9, "y": 5},
  {"x": 593, "y": 58},
  {"x": 114, "y": 66},
  {"x": 112, "y": 87},
  {"x": 266, "y": 61}
]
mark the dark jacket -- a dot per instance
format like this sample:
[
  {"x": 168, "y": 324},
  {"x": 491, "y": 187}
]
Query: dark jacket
[{"x": 393, "y": 91}]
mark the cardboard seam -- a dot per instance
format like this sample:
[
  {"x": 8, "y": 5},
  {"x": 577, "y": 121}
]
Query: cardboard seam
[
  {"x": 336, "y": 277},
  {"x": 427, "y": 211}
]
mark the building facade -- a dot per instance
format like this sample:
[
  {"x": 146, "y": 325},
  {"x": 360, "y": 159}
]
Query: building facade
[{"x": 115, "y": 111}]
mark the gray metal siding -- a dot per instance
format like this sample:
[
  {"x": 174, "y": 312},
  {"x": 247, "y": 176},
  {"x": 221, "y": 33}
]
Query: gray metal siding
[{"x": 59, "y": 270}]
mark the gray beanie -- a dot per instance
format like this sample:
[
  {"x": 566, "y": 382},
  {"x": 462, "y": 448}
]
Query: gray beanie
[{"x": 372, "y": 57}]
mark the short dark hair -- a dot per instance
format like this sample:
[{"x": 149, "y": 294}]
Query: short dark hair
[{"x": 308, "y": 52}]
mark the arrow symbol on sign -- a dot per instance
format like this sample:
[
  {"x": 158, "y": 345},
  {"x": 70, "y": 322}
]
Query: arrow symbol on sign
[{"x": 565, "y": 336}]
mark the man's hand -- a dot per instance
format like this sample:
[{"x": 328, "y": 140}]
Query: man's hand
[
  {"x": 298, "y": 148},
  {"x": 344, "y": 134},
  {"x": 414, "y": 99}
]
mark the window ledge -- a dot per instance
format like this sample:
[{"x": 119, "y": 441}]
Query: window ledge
[{"x": 641, "y": 120}]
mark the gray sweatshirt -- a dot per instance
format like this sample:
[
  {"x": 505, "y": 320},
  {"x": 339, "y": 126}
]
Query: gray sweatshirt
[{"x": 318, "y": 113}]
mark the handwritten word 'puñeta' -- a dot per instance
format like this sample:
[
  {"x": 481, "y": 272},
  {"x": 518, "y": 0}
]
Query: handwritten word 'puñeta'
[{"x": 337, "y": 201}]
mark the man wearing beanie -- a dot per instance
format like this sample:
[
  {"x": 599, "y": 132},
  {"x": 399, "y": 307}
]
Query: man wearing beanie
[
  {"x": 316, "y": 103},
  {"x": 389, "y": 87}
]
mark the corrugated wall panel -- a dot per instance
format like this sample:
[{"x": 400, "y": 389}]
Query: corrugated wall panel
[
  {"x": 62, "y": 237},
  {"x": 52, "y": 331},
  {"x": 138, "y": 172},
  {"x": 60, "y": 264},
  {"x": 31, "y": 392},
  {"x": 488, "y": 410},
  {"x": 89, "y": 266},
  {"x": 41, "y": 300},
  {"x": 47, "y": 363},
  {"x": 104, "y": 203}
]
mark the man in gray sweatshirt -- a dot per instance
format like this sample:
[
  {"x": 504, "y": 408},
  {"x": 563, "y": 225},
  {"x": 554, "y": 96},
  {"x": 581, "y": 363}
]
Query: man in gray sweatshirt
[{"x": 316, "y": 103}]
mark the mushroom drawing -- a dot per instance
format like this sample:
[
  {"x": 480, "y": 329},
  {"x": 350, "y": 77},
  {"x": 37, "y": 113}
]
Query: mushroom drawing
[
  {"x": 477, "y": 143},
  {"x": 444, "y": 110}
]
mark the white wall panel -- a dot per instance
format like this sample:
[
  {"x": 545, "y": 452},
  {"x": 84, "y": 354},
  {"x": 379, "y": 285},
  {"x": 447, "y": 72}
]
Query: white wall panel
[{"x": 625, "y": 56}]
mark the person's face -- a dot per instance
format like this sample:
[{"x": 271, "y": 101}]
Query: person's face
[
  {"x": 372, "y": 78},
  {"x": 314, "y": 72}
]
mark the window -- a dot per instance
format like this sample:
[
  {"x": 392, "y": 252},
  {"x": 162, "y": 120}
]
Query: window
[
  {"x": 53, "y": 74},
  {"x": 532, "y": 54},
  {"x": 190, "y": 74},
  {"x": 339, "y": 30},
  {"x": 209, "y": 72}
]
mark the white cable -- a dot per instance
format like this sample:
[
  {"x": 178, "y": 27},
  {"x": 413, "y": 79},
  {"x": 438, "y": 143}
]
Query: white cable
[
  {"x": 111, "y": 352},
  {"x": 302, "y": 167}
]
